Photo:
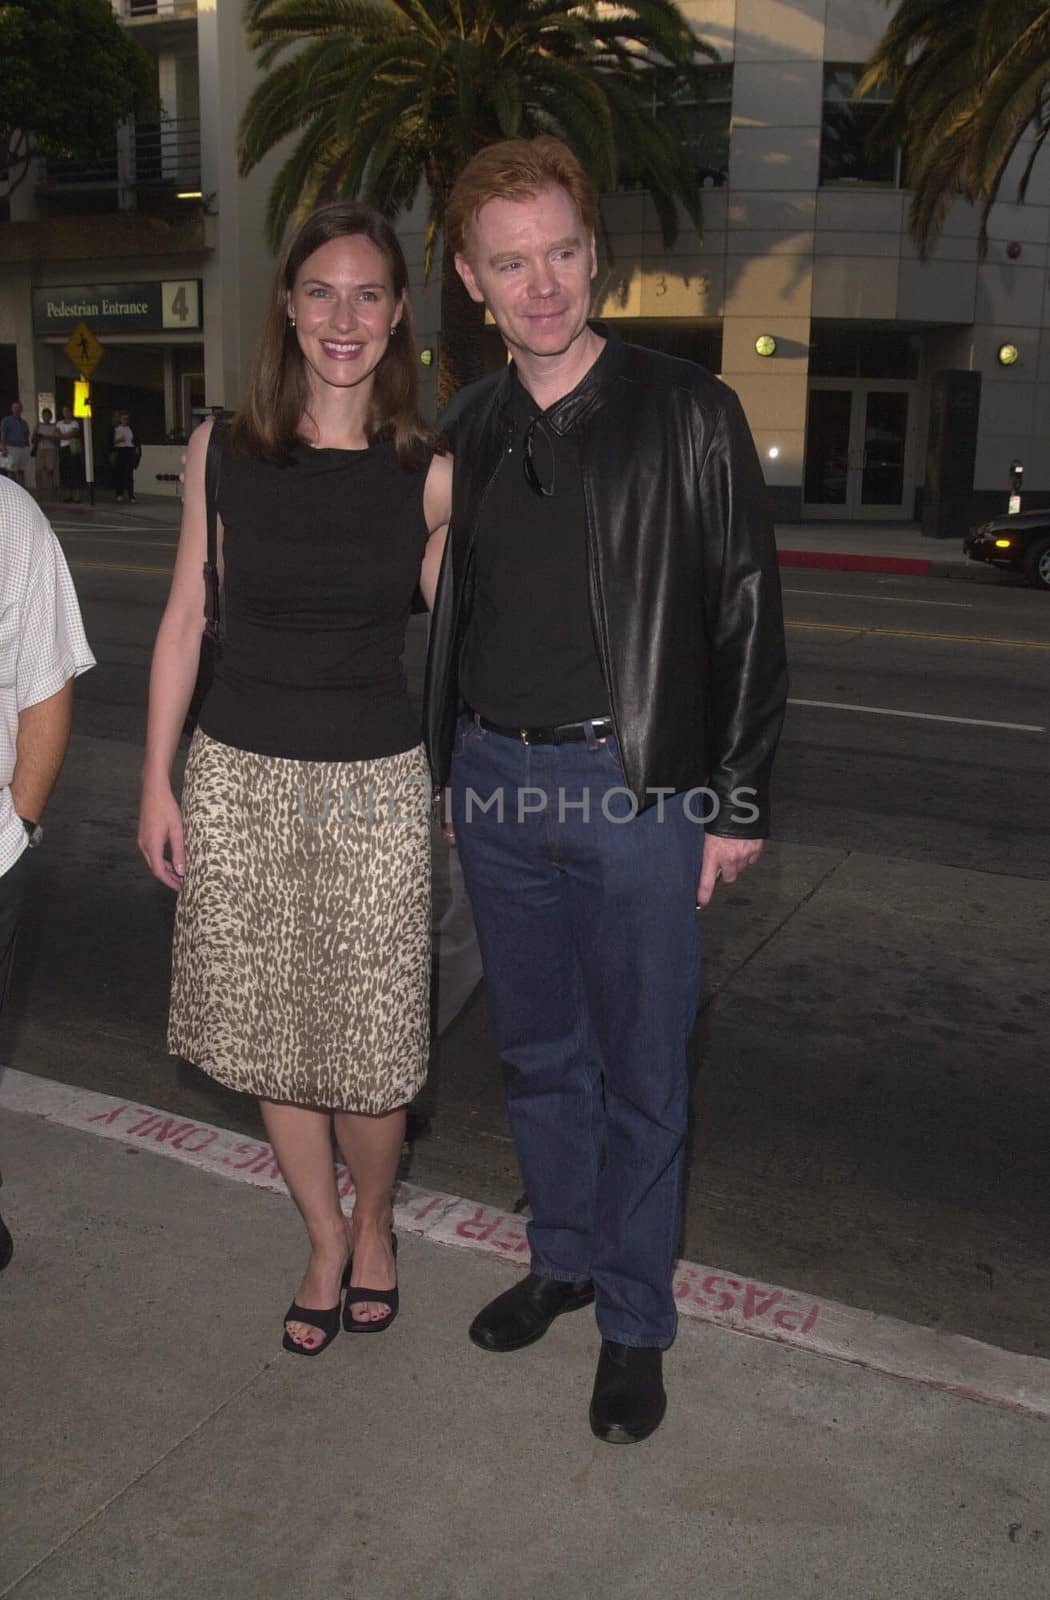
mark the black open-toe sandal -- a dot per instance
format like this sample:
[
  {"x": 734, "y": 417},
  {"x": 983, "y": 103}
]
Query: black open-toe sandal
[
  {"x": 327, "y": 1321},
  {"x": 382, "y": 1297}
]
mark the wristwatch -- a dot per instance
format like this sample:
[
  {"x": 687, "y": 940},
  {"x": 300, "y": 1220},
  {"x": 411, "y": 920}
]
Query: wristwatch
[{"x": 34, "y": 833}]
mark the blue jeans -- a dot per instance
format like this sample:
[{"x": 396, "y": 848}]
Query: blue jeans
[{"x": 590, "y": 943}]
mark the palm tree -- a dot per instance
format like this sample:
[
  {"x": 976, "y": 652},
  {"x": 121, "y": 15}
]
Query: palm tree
[
  {"x": 971, "y": 82},
  {"x": 382, "y": 95}
]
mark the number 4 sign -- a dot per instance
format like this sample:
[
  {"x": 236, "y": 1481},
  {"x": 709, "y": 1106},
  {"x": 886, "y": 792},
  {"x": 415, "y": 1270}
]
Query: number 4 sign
[{"x": 181, "y": 304}]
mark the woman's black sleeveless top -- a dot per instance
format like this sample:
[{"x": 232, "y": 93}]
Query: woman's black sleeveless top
[{"x": 321, "y": 561}]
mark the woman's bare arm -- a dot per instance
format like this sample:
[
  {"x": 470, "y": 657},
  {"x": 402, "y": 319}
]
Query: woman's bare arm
[
  {"x": 176, "y": 657},
  {"x": 437, "y": 508}
]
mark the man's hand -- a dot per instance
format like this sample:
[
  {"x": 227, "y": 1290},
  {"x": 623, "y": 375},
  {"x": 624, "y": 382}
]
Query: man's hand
[{"x": 725, "y": 859}]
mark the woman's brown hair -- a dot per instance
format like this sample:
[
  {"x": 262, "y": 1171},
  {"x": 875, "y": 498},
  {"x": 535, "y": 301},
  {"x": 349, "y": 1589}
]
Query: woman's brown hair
[{"x": 267, "y": 421}]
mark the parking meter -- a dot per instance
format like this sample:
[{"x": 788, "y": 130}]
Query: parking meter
[{"x": 1016, "y": 482}]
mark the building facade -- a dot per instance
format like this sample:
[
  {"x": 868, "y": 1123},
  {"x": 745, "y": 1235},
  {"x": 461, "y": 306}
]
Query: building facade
[
  {"x": 156, "y": 246},
  {"x": 879, "y": 387},
  {"x": 876, "y": 384}
]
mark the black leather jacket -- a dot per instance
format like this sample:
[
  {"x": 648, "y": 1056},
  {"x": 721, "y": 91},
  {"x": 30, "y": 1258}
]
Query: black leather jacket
[{"x": 685, "y": 592}]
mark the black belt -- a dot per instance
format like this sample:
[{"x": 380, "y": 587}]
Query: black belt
[{"x": 563, "y": 733}]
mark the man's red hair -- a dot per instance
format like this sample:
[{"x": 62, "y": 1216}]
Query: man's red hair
[{"x": 516, "y": 169}]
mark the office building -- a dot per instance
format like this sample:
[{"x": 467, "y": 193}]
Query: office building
[{"x": 878, "y": 386}]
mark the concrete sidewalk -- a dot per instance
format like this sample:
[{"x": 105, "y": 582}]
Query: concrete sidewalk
[
  {"x": 163, "y": 510},
  {"x": 158, "y": 1443}
]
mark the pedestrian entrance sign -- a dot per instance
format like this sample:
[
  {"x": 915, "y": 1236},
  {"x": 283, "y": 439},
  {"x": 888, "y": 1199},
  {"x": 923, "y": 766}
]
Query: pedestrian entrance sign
[{"x": 83, "y": 349}]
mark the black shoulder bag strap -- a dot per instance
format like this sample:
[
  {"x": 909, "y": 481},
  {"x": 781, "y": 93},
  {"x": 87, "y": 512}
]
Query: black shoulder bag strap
[
  {"x": 212, "y": 579},
  {"x": 211, "y": 640}
]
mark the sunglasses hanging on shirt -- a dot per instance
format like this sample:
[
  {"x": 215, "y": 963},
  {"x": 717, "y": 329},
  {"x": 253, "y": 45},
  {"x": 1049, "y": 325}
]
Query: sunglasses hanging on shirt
[{"x": 531, "y": 464}]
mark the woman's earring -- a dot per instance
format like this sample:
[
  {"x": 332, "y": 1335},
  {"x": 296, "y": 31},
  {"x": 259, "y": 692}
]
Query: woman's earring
[
  {"x": 393, "y": 327},
  {"x": 291, "y": 320}
]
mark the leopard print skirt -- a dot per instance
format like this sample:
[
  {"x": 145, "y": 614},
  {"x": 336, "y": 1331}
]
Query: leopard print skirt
[{"x": 301, "y": 963}]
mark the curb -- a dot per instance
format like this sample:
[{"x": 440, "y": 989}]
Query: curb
[
  {"x": 909, "y": 566},
  {"x": 900, "y": 566},
  {"x": 949, "y": 1362}
]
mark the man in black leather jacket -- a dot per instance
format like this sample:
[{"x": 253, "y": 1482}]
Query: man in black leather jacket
[{"x": 606, "y": 686}]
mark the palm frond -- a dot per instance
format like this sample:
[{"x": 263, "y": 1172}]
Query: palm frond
[
  {"x": 1033, "y": 155},
  {"x": 298, "y": 179},
  {"x": 275, "y": 110},
  {"x": 970, "y": 80},
  {"x": 579, "y": 103},
  {"x": 1011, "y": 99}
]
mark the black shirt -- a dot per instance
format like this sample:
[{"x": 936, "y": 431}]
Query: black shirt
[
  {"x": 321, "y": 561},
  {"x": 529, "y": 655}
]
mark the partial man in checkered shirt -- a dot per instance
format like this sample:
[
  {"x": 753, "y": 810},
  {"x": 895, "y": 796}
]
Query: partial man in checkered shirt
[{"x": 42, "y": 649}]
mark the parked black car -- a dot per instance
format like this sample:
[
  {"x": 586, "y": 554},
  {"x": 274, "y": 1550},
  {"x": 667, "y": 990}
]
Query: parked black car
[{"x": 1021, "y": 542}]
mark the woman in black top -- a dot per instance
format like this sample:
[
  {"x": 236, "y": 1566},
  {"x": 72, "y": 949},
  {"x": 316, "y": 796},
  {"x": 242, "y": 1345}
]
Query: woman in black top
[{"x": 302, "y": 853}]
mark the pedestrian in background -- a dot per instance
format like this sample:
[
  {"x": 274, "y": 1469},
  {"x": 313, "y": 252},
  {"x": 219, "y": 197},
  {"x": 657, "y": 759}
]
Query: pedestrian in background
[
  {"x": 42, "y": 649},
  {"x": 70, "y": 456},
  {"x": 124, "y": 457},
  {"x": 111, "y": 450},
  {"x": 606, "y": 685},
  {"x": 45, "y": 454},
  {"x": 302, "y": 854},
  {"x": 14, "y": 440}
]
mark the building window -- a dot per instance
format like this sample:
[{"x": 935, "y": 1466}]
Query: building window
[
  {"x": 863, "y": 350},
  {"x": 852, "y": 148},
  {"x": 707, "y": 126},
  {"x": 704, "y": 125},
  {"x": 684, "y": 337}
]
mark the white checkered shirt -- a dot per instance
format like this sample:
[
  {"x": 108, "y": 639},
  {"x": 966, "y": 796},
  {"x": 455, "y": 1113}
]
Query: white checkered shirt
[{"x": 42, "y": 641}]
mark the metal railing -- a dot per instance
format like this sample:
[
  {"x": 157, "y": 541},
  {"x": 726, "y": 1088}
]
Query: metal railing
[
  {"x": 169, "y": 152},
  {"x": 157, "y": 10},
  {"x": 164, "y": 154},
  {"x": 96, "y": 171}
]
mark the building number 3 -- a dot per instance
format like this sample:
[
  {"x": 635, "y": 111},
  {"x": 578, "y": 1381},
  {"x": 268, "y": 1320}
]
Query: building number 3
[{"x": 662, "y": 286}]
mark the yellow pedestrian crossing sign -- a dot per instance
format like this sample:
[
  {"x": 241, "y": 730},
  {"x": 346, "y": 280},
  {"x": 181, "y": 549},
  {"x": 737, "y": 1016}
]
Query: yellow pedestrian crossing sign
[{"x": 83, "y": 349}]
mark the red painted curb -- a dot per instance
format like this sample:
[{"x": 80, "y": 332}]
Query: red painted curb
[{"x": 841, "y": 562}]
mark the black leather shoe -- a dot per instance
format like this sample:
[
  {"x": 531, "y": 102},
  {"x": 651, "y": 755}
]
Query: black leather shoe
[
  {"x": 523, "y": 1314},
  {"x": 629, "y": 1402}
]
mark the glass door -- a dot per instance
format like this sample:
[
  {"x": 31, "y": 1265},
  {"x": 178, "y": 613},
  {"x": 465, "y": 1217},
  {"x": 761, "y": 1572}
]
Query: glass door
[
  {"x": 859, "y": 455},
  {"x": 828, "y": 417},
  {"x": 883, "y": 447}
]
